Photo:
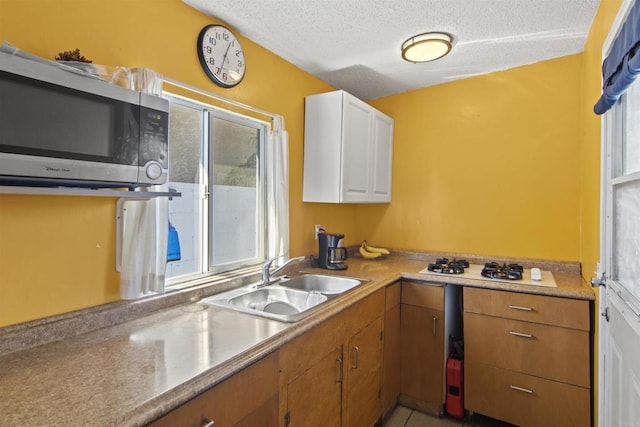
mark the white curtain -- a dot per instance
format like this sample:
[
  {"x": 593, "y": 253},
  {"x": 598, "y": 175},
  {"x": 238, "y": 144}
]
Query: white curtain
[
  {"x": 278, "y": 191},
  {"x": 145, "y": 225}
]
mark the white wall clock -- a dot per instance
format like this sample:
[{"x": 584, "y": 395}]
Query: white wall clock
[{"x": 221, "y": 55}]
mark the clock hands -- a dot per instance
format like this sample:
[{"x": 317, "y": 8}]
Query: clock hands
[{"x": 224, "y": 59}]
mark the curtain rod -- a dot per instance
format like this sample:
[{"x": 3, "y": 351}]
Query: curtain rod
[{"x": 278, "y": 120}]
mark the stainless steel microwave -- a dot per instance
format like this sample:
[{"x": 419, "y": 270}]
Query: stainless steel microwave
[{"x": 62, "y": 128}]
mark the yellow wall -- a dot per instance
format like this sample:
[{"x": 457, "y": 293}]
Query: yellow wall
[
  {"x": 57, "y": 254},
  {"x": 486, "y": 165}
]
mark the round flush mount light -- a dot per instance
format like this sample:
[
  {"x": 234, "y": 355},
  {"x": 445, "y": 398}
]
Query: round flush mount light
[{"x": 426, "y": 47}]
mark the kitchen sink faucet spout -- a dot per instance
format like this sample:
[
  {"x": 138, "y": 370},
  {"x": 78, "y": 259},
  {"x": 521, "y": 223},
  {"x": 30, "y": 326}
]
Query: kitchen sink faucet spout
[{"x": 267, "y": 274}]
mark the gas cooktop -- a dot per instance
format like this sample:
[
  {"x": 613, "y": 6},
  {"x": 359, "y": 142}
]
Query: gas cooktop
[{"x": 493, "y": 271}]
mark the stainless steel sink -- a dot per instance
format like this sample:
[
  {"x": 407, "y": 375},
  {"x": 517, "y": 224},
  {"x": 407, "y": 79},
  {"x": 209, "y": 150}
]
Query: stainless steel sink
[
  {"x": 328, "y": 285},
  {"x": 291, "y": 300},
  {"x": 278, "y": 300}
]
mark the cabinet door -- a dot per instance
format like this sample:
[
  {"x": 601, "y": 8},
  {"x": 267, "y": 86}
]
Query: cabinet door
[
  {"x": 422, "y": 355},
  {"x": 356, "y": 150},
  {"x": 381, "y": 150},
  {"x": 364, "y": 377},
  {"x": 315, "y": 397},
  {"x": 391, "y": 358}
]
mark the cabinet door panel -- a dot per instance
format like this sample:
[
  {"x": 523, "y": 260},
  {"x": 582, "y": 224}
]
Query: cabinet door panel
[
  {"x": 357, "y": 152},
  {"x": 364, "y": 377},
  {"x": 314, "y": 398},
  {"x": 382, "y": 157},
  {"x": 422, "y": 354}
]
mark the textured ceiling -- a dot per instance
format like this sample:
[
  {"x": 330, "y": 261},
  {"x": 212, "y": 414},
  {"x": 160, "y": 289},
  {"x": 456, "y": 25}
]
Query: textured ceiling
[{"x": 355, "y": 44}]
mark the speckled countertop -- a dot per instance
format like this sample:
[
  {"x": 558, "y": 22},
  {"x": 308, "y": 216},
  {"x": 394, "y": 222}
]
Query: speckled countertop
[{"x": 133, "y": 372}]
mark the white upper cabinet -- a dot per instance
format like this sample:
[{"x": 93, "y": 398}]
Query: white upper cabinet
[{"x": 347, "y": 150}]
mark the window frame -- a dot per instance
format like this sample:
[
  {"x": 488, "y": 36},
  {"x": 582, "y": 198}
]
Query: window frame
[{"x": 207, "y": 269}]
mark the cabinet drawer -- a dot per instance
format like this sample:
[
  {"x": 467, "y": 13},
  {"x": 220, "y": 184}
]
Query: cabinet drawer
[
  {"x": 556, "y": 311},
  {"x": 258, "y": 386},
  {"x": 423, "y": 295},
  {"x": 525, "y": 400},
  {"x": 551, "y": 352}
]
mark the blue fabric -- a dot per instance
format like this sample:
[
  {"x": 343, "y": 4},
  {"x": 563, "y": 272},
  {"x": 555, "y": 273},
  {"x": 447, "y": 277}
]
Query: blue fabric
[
  {"x": 173, "y": 244},
  {"x": 621, "y": 67}
]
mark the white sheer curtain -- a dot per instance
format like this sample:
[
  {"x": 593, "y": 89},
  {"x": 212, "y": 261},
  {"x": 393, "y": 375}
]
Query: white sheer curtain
[
  {"x": 278, "y": 191},
  {"x": 145, "y": 225}
]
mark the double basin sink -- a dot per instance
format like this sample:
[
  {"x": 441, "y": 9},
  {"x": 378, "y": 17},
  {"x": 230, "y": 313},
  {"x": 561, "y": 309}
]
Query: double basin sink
[{"x": 288, "y": 300}]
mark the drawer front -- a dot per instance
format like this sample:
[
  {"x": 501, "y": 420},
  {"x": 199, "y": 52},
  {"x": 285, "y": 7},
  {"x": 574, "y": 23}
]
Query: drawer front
[
  {"x": 423, "y": 295},
  {"x": 258, "y": 385},
  {"x": 551, "y": 352},
  {"x": 556, "y": 311},
  {"x": 524, "y": 400}
]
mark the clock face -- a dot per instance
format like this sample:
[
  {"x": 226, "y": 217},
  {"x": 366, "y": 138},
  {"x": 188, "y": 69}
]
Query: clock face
[{"x": 221, "y": 55}]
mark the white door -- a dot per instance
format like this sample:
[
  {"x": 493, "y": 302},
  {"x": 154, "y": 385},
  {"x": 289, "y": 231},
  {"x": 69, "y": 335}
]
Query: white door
[{"x": 619, "y": 376}]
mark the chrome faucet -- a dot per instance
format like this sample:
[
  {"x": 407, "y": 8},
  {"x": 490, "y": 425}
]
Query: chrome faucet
[{"x": 267, "y": 274}]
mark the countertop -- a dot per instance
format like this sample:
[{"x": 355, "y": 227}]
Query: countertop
[{"x": 133, "y": 372}]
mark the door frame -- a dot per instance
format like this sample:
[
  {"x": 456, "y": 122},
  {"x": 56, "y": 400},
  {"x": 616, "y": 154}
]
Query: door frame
[{"x": 610, "y": 129}]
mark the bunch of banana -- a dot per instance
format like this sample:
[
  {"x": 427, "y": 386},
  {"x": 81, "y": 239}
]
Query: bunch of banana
[{"x": 371, "y": 252}]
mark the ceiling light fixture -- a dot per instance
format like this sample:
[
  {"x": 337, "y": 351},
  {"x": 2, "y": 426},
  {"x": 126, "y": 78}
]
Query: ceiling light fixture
[{"x": 426, "y": 47}]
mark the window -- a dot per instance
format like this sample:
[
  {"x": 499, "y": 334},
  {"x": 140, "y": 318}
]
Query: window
[
  {"x": 624, "y": 192},
  {"x": 217, "y": 160}
]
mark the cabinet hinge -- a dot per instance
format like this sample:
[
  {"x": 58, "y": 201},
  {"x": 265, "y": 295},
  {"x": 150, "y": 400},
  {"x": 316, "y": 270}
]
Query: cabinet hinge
[
  {"x": 381, "y": 335},
  {"x": 605, "y": 314},
  {"x": 287, "y": 419},
  {"x": 599, "y": 281}
]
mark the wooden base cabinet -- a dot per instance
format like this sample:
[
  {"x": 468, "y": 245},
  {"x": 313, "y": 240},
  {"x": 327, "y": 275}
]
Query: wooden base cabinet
[
  {"x": 362, "y": 405},
  {"x": 248, "y": 398},
  {"x": 391, "y": 357},
  {"x": 314, "y": 397},
  {"x": 332, "y": 375},
  {"x": 422, "y": 346},
  {"x": 527, "y": 358}
]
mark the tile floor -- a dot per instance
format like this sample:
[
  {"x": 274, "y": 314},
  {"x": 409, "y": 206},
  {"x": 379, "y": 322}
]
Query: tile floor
[{"x": 405, "y": 417}]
